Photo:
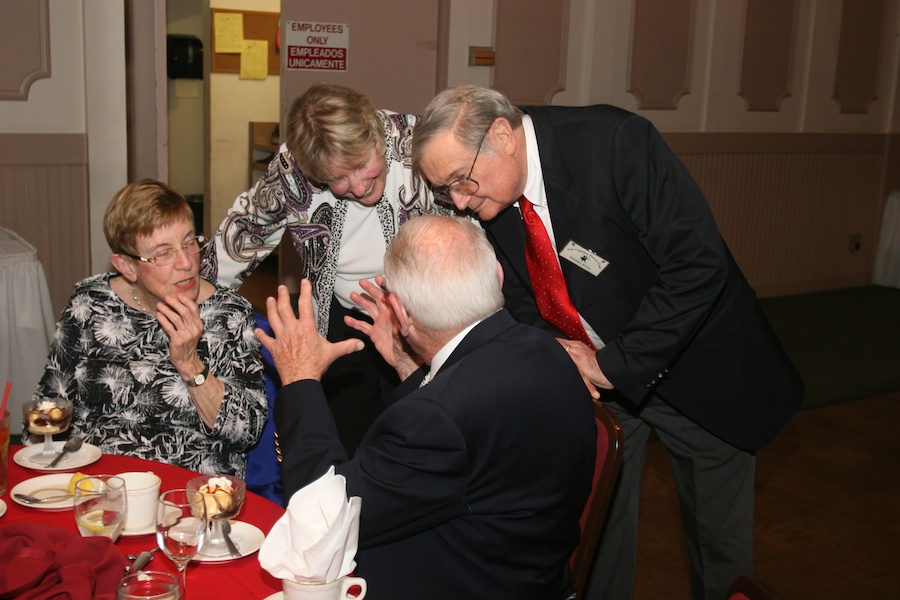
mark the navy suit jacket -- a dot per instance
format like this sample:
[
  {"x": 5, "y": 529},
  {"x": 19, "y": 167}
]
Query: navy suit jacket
[
  {"x": 471, "y": 486},
  {"x": 676, "y": 314}
]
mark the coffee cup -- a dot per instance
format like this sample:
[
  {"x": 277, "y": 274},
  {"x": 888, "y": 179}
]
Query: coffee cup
[
  {"x": 142, "y": 489},
  {"x": 334, "y": 590}
]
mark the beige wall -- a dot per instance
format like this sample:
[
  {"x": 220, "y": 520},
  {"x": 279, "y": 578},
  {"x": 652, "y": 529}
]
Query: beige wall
[
  {"x": 84, "y": 98},
  {"x": 186, "y": 104},
  {"x": 233, "y": 103},
  {"x": 782, "y": 109}
]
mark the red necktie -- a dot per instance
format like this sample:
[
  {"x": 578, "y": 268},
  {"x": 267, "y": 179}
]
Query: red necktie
[{"x": 547, "y": 281}]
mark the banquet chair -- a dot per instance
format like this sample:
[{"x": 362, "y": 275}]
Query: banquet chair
[
  {"x": 263, "y": 469},
  {"x": 606, "y": 469},
  {"x": 749, "y": 588}
]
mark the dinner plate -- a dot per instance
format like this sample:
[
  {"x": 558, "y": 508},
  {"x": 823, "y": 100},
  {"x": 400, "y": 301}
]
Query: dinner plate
[
  {"x": 2, "y": 508},
  {"x": 149, "y": 529},
  {"x": 87, "y": 454},
  {"x": 248, "y": 538},
  {"x": 42, "y": 487}
]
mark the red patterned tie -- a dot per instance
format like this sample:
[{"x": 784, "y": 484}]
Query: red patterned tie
[{"x": 547, "y": 281}]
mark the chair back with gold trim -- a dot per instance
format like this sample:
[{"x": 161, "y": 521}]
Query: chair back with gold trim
[{"x": 606, "y": 469}]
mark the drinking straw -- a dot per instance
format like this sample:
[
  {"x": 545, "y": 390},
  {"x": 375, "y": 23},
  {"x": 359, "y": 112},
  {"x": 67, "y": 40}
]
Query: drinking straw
[{"x": 5, "y": 397}]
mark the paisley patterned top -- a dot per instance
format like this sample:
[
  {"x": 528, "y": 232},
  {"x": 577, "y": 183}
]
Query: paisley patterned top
[
  {"x": 112, "y": 362},
  {"x": 285, "y": 199}
]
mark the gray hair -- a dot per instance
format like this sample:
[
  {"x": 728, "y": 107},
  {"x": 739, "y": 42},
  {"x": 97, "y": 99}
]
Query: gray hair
[
  {"x": 468, "y": 110},
  {"x": 444, "y": 271}
]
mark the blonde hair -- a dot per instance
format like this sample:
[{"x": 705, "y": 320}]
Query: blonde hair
[
  {"x": 332, "y": 126},
  {"x": 139, "y": 209}
]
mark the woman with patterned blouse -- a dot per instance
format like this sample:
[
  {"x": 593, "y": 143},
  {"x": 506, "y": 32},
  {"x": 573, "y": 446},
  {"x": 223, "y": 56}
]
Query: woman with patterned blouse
[
  {"x": 341, "y": 186},
  {"x": 158, "y": 362}
]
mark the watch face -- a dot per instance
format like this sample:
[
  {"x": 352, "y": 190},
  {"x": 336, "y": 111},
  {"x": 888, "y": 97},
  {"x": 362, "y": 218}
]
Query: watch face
[{"x": 199, "y": 379}]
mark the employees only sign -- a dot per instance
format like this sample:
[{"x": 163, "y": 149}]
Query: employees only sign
[{"x": 317, "y": 46}]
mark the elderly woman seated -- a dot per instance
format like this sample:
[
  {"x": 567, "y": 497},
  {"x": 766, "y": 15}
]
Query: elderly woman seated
[{"x": 158, "y": 362}]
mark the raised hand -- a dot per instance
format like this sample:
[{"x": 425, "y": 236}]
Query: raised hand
[
  {"x": 180, "y": 319},
  {"x": 384, "y": 331},
  {"x": 298, "y": 349}
]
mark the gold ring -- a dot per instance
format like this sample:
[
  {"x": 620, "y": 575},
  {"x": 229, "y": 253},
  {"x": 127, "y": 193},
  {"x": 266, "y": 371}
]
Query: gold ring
[{"x": 567, "y": 348}]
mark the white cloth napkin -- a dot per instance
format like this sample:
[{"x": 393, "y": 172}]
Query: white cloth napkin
[{"x": 315, "y": 541}]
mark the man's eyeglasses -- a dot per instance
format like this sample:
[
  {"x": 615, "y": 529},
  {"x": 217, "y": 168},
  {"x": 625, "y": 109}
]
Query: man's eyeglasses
[
  {"x": 166, "y": 257},
  {"x": 464, "y": 186}
]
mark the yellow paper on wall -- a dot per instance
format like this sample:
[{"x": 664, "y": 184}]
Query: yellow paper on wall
[
  {"x": 229, "y": 33},
  {"x": 255, "y": 59}
]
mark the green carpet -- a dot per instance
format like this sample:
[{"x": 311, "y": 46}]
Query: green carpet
[{"x": 845, "y": 343}]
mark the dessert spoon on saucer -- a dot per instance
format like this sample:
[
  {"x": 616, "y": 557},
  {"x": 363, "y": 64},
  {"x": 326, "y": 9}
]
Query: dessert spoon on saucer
[{"x": 71, "y": 445}]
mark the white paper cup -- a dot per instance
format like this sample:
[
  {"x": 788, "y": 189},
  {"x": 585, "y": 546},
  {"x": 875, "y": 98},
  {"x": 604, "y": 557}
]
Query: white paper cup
[
  {"x": 142, "y": 489},
  {"x": 335, "y": 590}
]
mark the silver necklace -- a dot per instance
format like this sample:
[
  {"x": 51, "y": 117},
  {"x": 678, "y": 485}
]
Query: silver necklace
[{"x": 137, "y": 300}]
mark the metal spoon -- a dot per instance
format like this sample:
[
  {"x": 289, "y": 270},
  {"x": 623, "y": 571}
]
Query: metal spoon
[
  {"x": 71, "y": 445},
  {"x": 232, "y": 549},
  {"x": 32, "y": 500}
]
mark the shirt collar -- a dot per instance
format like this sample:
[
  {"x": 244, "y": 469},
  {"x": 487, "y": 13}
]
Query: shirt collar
[
  {"x": 534, "y": 182},
  {"x": 447, "y": 349}
]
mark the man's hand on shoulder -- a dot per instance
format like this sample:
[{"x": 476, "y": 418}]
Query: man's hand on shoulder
[
  {"x": 298, "y": 349},
  {"x": 585, "y": 359}
]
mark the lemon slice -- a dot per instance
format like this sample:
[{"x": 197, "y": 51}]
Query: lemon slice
[
  {"x": 75, "y": 479},
  {"x": 92, "y": 521}
]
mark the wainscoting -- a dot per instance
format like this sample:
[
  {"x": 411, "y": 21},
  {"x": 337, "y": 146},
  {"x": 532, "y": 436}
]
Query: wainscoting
[
  {"x": 44, "y": 198},
  {"x": 788, "y": 204}
]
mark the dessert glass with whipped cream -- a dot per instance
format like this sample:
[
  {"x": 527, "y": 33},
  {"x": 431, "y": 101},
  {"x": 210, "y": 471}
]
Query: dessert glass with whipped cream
[
  {"x": 47, "y": 416},
  {"x": 224, "y": 497}
]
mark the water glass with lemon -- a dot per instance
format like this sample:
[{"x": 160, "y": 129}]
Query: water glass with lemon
[{"x": 100, "y": 505}]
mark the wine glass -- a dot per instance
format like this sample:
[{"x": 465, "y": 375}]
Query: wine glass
[
  {"x": 149, "y": 585},
  {"x": 181, "y": 527},
  {"x": 47, "y": 416},
  {"x": 100, "y": 506},
  {"x": 224, "y": 497}
]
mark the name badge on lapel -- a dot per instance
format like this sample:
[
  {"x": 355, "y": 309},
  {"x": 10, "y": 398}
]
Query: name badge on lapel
[{"x": 584, "y": 258}]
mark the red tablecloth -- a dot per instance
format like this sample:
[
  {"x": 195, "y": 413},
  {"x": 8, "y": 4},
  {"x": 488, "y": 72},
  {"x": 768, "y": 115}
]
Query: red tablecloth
[{"x": 241, "y": 578}]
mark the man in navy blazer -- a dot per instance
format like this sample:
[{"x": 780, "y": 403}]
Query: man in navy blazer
[
  {"x": 471, "y": 485},
  {"x": 679, "y": 343}
]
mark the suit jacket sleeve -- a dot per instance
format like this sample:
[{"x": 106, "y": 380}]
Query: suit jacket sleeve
[{"x": 669, "y": 215}]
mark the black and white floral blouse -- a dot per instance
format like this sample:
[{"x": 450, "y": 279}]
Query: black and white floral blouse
[{"x": 112, "y": 362}]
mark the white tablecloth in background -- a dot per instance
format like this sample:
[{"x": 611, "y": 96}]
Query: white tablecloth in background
[
  {"x": 887, "y": 255},
  {"x": 26, "y": 322}
]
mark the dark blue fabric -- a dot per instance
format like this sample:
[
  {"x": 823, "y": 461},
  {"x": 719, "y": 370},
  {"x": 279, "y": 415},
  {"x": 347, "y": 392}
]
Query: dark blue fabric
[{"x": 263, "y": 468}]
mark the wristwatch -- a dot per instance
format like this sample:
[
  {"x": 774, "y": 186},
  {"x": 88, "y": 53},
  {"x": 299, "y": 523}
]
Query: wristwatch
[{"x": 198, "y": 379}]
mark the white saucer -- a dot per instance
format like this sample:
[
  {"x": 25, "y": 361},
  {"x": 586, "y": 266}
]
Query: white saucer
[
  {"x": 87, "y": 454},
  {"x": 2, "y": 508},
  {"x": 248, "y": 538},
  {"x": 275, "y": 596},
  {"x": 42, "y": 487},
  {"x": 148, "y": 530}
]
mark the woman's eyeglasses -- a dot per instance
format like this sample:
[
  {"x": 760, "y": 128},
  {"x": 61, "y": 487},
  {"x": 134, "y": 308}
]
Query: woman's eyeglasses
[{"x": 166, "y": 257}]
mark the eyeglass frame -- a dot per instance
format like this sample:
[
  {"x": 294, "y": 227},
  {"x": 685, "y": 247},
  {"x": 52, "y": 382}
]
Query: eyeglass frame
[
  {"x": 154, "y": 260},
  {"x": 442, "y": 192}
]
